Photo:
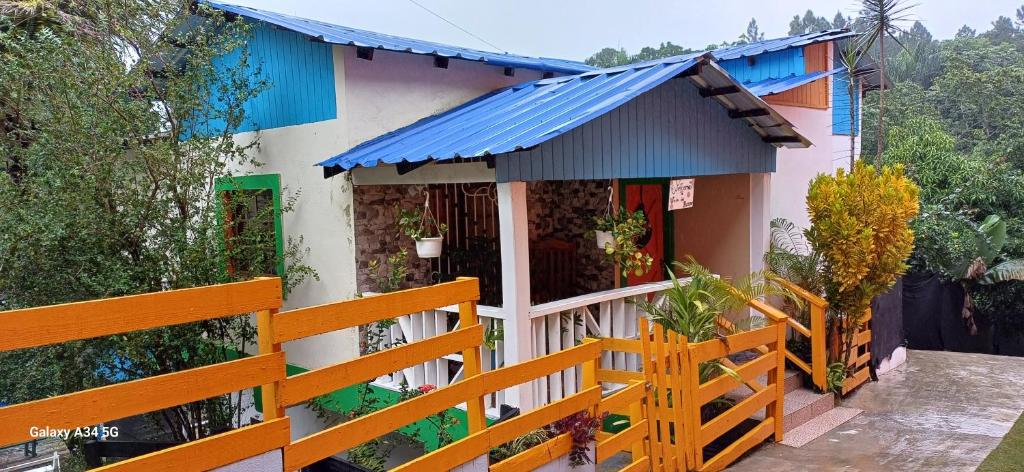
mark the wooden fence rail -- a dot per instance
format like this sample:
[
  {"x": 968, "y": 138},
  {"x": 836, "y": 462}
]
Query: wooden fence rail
[
  {"x": 48, "y": 325},
  {"x": 662, "y": 401}
]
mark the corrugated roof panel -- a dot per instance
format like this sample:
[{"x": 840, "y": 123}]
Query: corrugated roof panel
[
  {"x": 778, "y": 44},
  {"x": 773, "y": 86},
  {"x": 336, "y": 34},
  {"x": 525, "y": 115}
]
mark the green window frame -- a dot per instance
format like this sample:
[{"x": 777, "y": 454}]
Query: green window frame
[{"x": 271, "y": 182}]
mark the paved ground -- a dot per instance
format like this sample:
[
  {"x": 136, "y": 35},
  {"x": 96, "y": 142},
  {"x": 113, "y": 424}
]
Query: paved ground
[{"x": 941, "y": 411}]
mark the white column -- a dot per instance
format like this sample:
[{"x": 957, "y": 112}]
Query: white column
[
  {"x": 760, "y": 216},
  {"x": 515, "y": 283}
]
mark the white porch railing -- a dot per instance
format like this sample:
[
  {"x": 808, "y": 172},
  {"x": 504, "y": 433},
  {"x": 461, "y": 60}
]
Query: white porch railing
[
  {"x": 441, "y": 372},
  {"x": 564, "y": 323},
  {"x": 555, "y": 326}
]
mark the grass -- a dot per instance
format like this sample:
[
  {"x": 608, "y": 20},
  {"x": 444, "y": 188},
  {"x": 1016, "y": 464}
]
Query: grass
[{"x": 1009, "y": 454}]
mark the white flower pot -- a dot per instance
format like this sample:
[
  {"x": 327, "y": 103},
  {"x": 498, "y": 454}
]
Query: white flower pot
[
  {"x": 429, "y": 247},
  {"x": 603, "y": 238}
]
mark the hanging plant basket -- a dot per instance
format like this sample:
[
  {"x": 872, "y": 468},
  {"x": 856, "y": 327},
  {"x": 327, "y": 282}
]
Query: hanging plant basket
[
  {"x": 604, "y": 238},
  {"x": 416, "y": 224},
  {"x": 429, "y": 247}
]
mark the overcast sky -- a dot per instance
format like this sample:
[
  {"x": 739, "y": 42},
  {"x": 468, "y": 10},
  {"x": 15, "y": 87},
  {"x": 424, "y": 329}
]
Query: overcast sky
[{"x": 574, "y": 29}]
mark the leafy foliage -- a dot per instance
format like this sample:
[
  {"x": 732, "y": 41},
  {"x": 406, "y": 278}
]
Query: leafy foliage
[
  {"x": 791, "y": 257},
  {"x": 860, "y": 226},
  {"x": 101, "y": 196},
  {"x": 416, "y": 223},
  {"x": 627, "y": 228},
  {"x": 692, "y": 307}
]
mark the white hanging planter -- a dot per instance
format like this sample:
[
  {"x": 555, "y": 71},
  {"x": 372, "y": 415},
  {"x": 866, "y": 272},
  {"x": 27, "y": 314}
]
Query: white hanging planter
[
  {"x": 603, "y": 238},
  {"x": 429, "y": 247}
]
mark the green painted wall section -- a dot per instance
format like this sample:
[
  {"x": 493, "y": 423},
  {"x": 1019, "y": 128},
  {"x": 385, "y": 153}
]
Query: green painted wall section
[{"x": 341, "y": 401}]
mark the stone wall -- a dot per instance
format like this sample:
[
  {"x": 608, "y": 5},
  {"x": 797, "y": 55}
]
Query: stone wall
[
  {"x": 562, "y": 210},
  {"x": 377, "y": 233},
  {"x": 565, "y": 210}
]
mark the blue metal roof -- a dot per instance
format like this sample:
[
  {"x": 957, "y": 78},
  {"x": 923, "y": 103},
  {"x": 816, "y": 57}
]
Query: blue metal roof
[
  {"x": 524, "y": 115},
  {"x": 336, "y": 34},
  {"x": 773, "y": 86},
  {"x": 778, "y": 44}
]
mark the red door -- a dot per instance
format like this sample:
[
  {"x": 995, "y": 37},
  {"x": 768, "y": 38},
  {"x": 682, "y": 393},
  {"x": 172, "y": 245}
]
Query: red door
[{"x": 649, "y": 198}]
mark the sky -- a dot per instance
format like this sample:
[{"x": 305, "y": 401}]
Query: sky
[{"x": 575, "y": 29}]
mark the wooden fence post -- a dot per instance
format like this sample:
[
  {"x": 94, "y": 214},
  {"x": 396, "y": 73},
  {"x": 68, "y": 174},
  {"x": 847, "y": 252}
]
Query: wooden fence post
[
  {"x": 472, "y": 367},
  {"x": 272, "y": 408},
  {"x": 777, "y": 378},
  {"x": 819, "y": 362},
  {"x": 653, "y": 412}
]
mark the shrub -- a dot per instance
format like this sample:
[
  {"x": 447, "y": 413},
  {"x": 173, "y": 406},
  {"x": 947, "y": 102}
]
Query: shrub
[{"x": 861, "y": 227}]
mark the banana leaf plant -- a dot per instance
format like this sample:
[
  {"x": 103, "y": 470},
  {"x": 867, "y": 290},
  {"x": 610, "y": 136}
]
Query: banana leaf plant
[{"x": 989, "y": 239}]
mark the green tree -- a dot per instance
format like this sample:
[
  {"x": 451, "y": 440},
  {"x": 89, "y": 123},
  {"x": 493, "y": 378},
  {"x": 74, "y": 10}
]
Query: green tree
[
  {"x": 753, "y": 33},
  {"x": 840, "y": 21},
  {"x": 966, "y": 32},
  {"x": 808, "y": 23},
  {"x": 103, "y": 195},
  {"x": 608, "y": 57},
  {"x": 882, "y": 20}
]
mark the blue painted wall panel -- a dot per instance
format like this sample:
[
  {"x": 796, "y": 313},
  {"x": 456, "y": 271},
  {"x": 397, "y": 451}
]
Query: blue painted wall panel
[
  {"x": 300, "y": 78},
  {"x": 841, "y": 106},
  {"x": 671, "y": 131},
  {"x": 771, "y": 65}
]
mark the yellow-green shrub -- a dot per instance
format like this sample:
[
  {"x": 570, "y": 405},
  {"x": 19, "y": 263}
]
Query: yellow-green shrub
[{"x": 860, "y": 225}]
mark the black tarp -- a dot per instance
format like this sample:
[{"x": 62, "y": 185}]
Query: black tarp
[
  {"x": 932, "y": 317},
  {"x": 887, "y": 323}
]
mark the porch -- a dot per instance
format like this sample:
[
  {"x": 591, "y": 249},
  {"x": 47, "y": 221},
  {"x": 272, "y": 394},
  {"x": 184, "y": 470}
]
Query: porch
[{"x": 518, "y": 176}]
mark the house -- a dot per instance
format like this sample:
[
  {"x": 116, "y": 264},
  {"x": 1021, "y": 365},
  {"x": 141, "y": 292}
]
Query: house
[{"x": 516, "y": 155}]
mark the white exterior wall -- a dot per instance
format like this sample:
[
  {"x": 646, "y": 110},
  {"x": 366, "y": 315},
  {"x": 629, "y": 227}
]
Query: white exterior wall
[
  {"x": 373, "y": 97},
  {"x": 795, "y": 168}
]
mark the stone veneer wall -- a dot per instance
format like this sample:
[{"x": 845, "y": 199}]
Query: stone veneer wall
[
  {"x": 565, "y": 210},
  {"x": 557, "y": 210},
  {"x": 377, "y": 234}
]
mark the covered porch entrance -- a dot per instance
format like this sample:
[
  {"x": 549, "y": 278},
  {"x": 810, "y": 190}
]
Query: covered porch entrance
[{"x": 519, "y": 174}]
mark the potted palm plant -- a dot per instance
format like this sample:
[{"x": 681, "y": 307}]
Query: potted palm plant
[{"x": 420, "y": 225}]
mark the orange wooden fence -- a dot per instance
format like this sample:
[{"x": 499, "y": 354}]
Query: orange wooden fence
[
  {"x": 663, "y": 403},
  {"x": 43, "y": 326},
  {"x": 860, "y": 356},
  {"x": 817, "y": 367}
]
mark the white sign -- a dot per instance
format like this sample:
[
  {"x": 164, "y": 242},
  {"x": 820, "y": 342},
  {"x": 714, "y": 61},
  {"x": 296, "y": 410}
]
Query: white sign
[{"x": 680, "y": 194}]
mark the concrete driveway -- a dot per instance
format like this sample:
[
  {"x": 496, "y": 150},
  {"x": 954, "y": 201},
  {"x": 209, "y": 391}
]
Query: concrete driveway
[{"x": 940, "y": 411}]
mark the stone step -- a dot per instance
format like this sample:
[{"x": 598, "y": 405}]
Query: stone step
[
  {"x": 804, "y": 405},
  {"x": 794, "y": 380},
  {"x": 800, "y": 405},
  {"x": 816, "y": 427}
]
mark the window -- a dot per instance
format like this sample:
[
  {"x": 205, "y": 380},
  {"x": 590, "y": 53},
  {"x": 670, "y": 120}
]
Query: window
[{"x": 250, "y": 209}]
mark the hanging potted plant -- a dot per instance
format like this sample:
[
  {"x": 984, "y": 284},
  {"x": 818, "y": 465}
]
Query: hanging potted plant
[
  {"x": 420, "y": 225},
  {"x": 603, "y": 231},
  {"x": 604, "y": 225},
  {"x": 623, "y": 229}
]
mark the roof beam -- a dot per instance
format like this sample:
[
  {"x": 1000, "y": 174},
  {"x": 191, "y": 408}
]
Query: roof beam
[
  {"x": 441, "y": 62},
  {"x": 781, "y": 139},
  {"x": 404, "y": 167},
  {"x": 748, "y": 113},
  {"x": 714, "y": 92},
  {"x": 364, "y": 52}
]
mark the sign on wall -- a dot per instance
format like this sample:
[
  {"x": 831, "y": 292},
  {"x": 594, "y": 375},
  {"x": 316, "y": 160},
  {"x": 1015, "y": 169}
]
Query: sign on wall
[{"x": 680, "y": 194}]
